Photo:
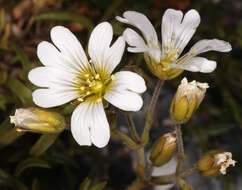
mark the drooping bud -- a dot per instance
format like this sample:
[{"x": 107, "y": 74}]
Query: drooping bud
[
  {"x": 163, "y": 149},
  {"x": 37, "y": 120},
  {"x": 187, "y": 99},
  {"x": 215, "y": 163}
]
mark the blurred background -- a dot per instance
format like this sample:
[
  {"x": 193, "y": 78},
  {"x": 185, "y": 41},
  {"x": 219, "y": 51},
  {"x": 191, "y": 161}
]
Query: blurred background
[{"x": 30, "y": 161}]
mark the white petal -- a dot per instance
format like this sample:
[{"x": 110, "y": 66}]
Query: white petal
[
  {"x": 100, "y": 132},
  {"x": 51, "y": 57},
  {"x": 80, "y": 127},
  {"x": 178, "y": 32},
  {"x": 124, "y": 100},
  {"x": 133, "y": 39},
  {"x": 142, "y": 23},
  {"x": 210, "y": 45},
  {"x": 197, "y": 64},
  {"x": 123, "y": 93},
  {"x": 131, "y": 81},
  {"x": 69, "y": 46},
  {"x": 51, "y": 77},
  {"x": 99, "y": 43},
  {"x": 89, "y": 125},
  {"x": 114, "y": 54},
  {"x": 48, "y": 98},
  {"x": 170, "y": 23}
]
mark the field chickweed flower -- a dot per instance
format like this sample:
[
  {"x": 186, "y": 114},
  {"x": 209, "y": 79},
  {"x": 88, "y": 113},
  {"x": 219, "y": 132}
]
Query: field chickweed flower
[
  {"x": 177, "y": 30},
  {"x": 67, "y": 75}
]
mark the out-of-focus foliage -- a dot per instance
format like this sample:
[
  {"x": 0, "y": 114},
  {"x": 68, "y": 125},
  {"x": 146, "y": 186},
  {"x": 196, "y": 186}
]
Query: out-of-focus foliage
[{"x": 56, "y": 162}]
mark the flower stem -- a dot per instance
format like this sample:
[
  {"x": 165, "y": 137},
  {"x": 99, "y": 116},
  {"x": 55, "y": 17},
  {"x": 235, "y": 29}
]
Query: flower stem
[
  {"x": 132, "y": 127},
  {"x": 150, "y": 111},
  {"x": 127, "y": 140},
  {"x": 180, "y": 148},
  {"x": 141, "y": 166},
  {"x": 163, "y": 180},
  {"x": 189, "y": 172}
]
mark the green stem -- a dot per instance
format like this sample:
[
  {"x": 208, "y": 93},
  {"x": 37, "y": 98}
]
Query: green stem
[
  {"x": 189, "y": 172},
  {"x": 150, "y": 111},
  {"x": 141, "y": 166},
  {"x": 127, "y": 140},
  {"x": 163, "y": 180},
  {"x": 180, "y": 149},
  {"x": 132, "y": 127}
]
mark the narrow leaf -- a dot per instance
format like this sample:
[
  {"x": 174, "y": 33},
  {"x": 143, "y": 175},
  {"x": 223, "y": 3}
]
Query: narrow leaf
[
  {"x": 99, "y": 186},
  {"x": 67, "y": 16},
  {"x": 85, "y": 184},
  {"x": 29, "y": 163},
  {"x": 44, "y": 142}
]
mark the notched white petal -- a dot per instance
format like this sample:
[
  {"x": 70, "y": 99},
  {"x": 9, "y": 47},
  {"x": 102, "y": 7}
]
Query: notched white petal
[
  {"x": 133, "y": 38},
  {"x": 48, "y": 98},
  {"x": 210, "y": 45},
  {"x": 79, "y": 124},
  {"x": 89, "y": 125},
  {"x": 140, "y": 21},
  {"x": 69, "y": 45},
  {"x": 99, "y": 43},
  {"x": 129, "y": 81},
  {"x": 100, "y": 132},
  {"x": 197, "y": 64},
  {"x": 114, "y": 54}
]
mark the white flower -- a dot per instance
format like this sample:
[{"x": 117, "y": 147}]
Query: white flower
[
  {"x": 67, "y": 75},
  {"x": 176, "y": 33}
]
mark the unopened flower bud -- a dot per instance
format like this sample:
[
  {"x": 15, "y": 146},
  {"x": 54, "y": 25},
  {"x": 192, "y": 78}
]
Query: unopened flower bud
[
  {"x": 163, "y": 149},
  {"x": 215, "y": 163},
  {"x": 37, "y": 120},
  {"x": 187, "y": 99}
]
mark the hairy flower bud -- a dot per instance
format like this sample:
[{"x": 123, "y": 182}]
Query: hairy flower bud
[
  {"x": 187, "y": 99},
  {"x": 163, "y": 149},
  {"x": 215, "y": 163},
  {"x": 37, "y": 120}
]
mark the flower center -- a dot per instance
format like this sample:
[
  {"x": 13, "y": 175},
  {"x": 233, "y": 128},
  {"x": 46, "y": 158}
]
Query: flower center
[{"x": 91, "y": 84}]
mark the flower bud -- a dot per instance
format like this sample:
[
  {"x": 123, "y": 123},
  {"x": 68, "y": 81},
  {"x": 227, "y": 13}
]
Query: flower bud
[
  {"x": 161, "y": 69},
  {"x": 163, "y": 149},
  {"x": 215, "y": 163},
  {"x": 187, "y": 99},
  {"x": 37, "y": 120}
]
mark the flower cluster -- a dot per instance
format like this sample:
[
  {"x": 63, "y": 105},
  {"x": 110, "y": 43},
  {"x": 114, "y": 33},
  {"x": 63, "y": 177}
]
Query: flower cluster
[{"x": 69, "y": 75}]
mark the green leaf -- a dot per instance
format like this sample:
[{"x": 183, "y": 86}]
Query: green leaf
[
  {"x": 85, "y": 184},
  {"x": 23, "y": 58},
  {"x": 67, "y": 16},
  {"x": 99, "y": 186},
  {"x": 44, "y": 142},
  {"x": 21, "y": 91},
  {"x": 10, "y": 181},
  {"x": 29, "y": 163}
]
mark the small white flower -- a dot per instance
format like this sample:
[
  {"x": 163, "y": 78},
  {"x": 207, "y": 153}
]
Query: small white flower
[
  {"x": 223, "y": 161},
  {"x": 68, "y": 75},
  {"x": 177, "y": 30}
]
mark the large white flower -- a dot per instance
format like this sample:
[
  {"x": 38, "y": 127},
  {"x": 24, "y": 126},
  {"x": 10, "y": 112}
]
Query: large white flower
[
  {"x": 177, "y": 30},
  {"x": 67, "y": 75}
]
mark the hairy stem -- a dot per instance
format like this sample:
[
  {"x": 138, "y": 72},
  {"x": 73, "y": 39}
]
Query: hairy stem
[
  {"x": 163, "y": 180},
  {"x": 132, "y": 127},
  {"x": 150, "y": 111},
  {"x": 189, "y": 172},
  {"x": 180, "y": 149}
]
